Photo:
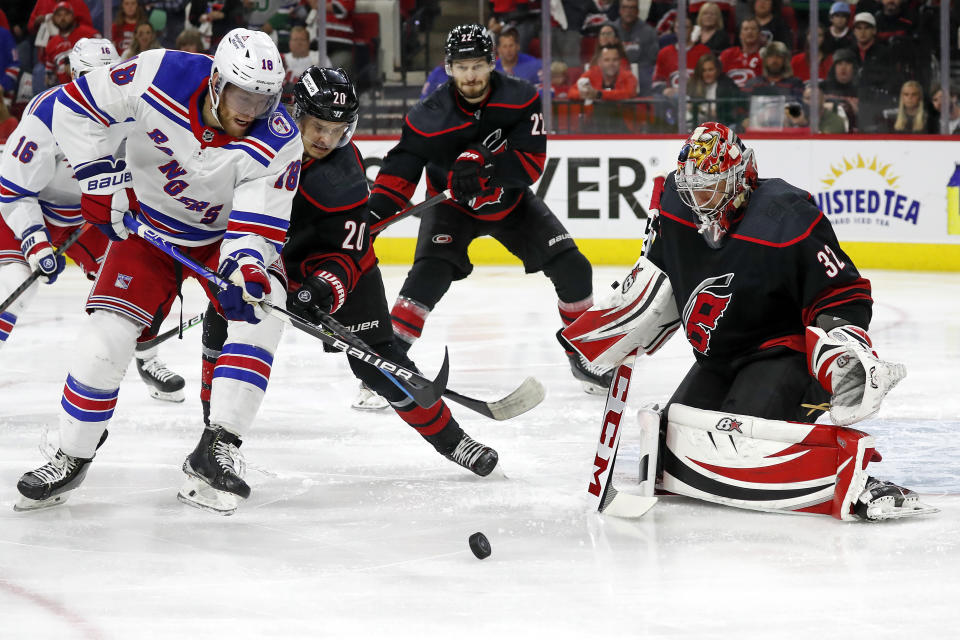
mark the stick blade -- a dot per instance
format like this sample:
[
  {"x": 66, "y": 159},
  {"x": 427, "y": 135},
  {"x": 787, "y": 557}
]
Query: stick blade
[
  {"x": 625, "y": 505},
  {"x": 529, "y": 394},
  {"x": 427, "y": 395}
]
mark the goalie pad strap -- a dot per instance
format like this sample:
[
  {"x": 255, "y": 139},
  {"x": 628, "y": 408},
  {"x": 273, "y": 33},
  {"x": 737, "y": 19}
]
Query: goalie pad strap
[
  {"x": 640, "y": 313},
  {"x": 765, "y": 465}
]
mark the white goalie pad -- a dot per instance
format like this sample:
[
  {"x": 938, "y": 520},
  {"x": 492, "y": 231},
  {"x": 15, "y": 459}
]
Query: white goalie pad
[
  {"x": 640, "y": 313},
  {"x": 765, "y": 465}
]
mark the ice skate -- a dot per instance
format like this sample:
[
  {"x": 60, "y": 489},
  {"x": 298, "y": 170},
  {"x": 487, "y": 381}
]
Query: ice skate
[
  {"x": 473, "y": 455},
  {"x": 369, "y": 400},
  {"x": 51, "y": 484},
  {"x": 162, "y": 383},
  {"x": 595, "y": 380},
  {"x": 214, "y": 471},
  {"x": 883, "y": 500}
]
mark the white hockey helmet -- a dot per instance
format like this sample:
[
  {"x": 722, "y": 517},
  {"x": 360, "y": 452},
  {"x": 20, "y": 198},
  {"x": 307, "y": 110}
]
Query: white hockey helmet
[
  {"x": 91, "y": 53},
  {"x": 249, "y": 60}
]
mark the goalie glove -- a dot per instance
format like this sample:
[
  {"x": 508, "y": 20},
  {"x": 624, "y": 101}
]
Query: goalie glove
[
  {"x": 39, "y": 253},
  {"x": 844, "y": 363},
  {"x": 471, "y": 174},
  {"x": 106, "y": 195}
]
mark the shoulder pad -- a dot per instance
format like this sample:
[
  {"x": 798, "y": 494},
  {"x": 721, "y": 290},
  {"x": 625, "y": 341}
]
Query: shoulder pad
[
  {"x": 41, "y": 106},
  {"x": 435, "y": 115},
  {"x": 338, "y": 182},
  {"x": 778, "y": 212},
  {"x": 511, "y": 93}
]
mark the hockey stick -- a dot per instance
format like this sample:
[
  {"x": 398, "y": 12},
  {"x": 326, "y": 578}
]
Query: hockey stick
[
  {"x": 529, "y": 394},
  {"x": 380, "y": 225},
  {"x": 423, "y": 391},
  {"x": 169, "y": 333},
  {"x": 37, "y": 273},
  {"x": 606, "y": 499}
]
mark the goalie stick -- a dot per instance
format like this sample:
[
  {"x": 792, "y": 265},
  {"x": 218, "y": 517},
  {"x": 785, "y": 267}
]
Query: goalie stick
[
  {"x": 604, "y": 496},
  {"x": 37, "y": 273},
  {"x": 169, "y": 333},
  {"x": 423, "y": 391}
]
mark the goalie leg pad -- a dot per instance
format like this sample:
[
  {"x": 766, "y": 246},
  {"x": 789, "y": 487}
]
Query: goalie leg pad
[
  {"x": 766, "y": 465},
  {"x": 640, "y": 313}
]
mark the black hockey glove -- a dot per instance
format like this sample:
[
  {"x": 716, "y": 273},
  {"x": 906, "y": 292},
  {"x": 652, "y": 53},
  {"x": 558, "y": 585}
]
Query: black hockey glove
[
  {"x": 321, "y": 293},
  {"x": 471, "y": 173}
]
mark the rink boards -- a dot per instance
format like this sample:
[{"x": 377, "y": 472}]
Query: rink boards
[{"x": 887, "y": 199}]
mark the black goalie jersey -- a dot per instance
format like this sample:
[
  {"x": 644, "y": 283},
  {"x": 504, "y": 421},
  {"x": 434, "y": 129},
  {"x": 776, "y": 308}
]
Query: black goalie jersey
[
  {"x": 509, "y": 123},
  {"x": 780, "y": 268},
  {"x": 329, "y": 221}
]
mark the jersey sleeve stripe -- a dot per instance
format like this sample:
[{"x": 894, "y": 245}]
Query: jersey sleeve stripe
[
  {"x": 85, "y": 90},
  {"x": 10, "y": 191},
  {"x": 161, "y": 108},
  {"x": 236, "y": 228},
  {"x": 530, "y": 165},
  {"x": 71, "y": 98},
  {"x": 64, "y": 216},
  {"x": 175, "y": 106},
  {"x": 395, "y": 187}
]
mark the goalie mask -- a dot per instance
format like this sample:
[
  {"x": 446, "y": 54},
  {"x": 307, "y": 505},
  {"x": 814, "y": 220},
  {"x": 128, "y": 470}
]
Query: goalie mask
[
  {"x": 327, "y": 94},
  {"x": 89, "y": 54},
  {"x": 248, "y": 64},
  {"x": 715, "y": 174}
]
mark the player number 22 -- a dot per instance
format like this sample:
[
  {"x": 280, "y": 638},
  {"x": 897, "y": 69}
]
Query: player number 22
[
  {"x": 537, "y": 128},
  {"x": 830, "y": 261}
]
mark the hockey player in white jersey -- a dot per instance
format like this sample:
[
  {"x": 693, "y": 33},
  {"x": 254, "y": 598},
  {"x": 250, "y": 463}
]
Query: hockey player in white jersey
[
  {"x": 212, "y": 167},
  {"x": 40, "y": 209}
]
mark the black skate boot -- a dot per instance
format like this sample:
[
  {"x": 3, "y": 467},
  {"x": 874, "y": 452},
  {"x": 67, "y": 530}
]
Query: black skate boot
[
  {"x": 162, "y": 383},
  {"x": 473, "y": 455},
  {"x": 214, "y": 473},
  {"x": 52, "y": 483},
  {"x": 595, "y": 380},
  {"x": 883, "y": 500}
]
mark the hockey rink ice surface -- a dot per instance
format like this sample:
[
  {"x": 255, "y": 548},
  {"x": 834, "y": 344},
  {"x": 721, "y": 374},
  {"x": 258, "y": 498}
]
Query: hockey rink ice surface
[{"x": 357, "y": 529}]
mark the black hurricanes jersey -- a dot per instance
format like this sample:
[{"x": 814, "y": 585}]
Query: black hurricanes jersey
[
  {"x": 780, "y": 268},
  {"x": 509, "y": 123},
  {"x": 329, "y": 222}
]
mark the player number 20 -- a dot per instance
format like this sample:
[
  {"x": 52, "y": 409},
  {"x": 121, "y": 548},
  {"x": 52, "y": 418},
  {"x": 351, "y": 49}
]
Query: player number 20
[
  {"x": 354, "y": 239},
  {"x": 537, "y": 128},
  {"x": 830, "y": 261}
]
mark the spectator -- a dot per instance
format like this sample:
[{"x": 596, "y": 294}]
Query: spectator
[
  {"x": 715, "y": 97},
  {"x": 144, "y": 39},
  {"x": 596, "y": 14},
  {"x": 436, "y": 78},
  {"x": 743, "y": 62},
  {"x": 7, "y": 123},
  {"x": 877, "y": 76},
  {"x": 953, "y": 124},
  {"x": 838, "y": 35},
  {"x": 273, "y": 17},
  {"x": 892, "y": 24},
  {"x": 777, "y": 78},
  {"x": 215, "y": 18},
  {"x": 300, "y": 57},
  {"x": 68, "y": 31},
  {"x": 129, "y": 15},
  {"x": 666, "y": 73},
  {"x": 639, "y": 38},
  {"x": 559, "y": 83},
  {"x": 772, "y": 26},
  {"x": 800, "y": 64},
  {"x": 608, "y": 34},
  {"x": 565, "y": 33},
  {"x": 899, "y": 33},
  {"x": 830, "y": 120},
  {"x": 45, "y": 9},
  {"x": 520, "y": 15},
  {"x": 514, "y": 63},
  {"x": 9, "y": 64},
  {"x": 911, "y": 115},
  {"x": 841, "y": 88},
  {"x": 340, "y": 33},
  {"x": 190, "y": 41},
  {"x": 711, "y": 31},
  {"x": 606, "y": 80}
]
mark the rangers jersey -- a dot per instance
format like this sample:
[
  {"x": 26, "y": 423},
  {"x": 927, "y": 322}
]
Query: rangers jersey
[
  {"x": 194, "y": 184},
  {"x": 509, "y": 123},
  {"x": 779, "y": 269},
  {"x": 37, "y": 185}
]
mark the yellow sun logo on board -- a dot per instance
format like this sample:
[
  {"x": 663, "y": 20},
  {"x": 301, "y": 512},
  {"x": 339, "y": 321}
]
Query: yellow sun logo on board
[{"x": 883, "y": 170}]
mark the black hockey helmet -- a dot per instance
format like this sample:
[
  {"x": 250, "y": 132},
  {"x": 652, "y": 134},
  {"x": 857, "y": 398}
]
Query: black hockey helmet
[
  {"x": 329, "y": 95},
  {"x": 468, "y": 41}
]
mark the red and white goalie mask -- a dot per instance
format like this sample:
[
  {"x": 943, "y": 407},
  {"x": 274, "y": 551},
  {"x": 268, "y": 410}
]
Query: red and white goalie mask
[{"x": 715, "y": 174}]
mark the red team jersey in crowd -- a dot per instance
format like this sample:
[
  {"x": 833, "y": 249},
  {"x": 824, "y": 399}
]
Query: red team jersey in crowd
[
  {"x": 668, "y": 61},
  {"x": 740, "y": 66}
]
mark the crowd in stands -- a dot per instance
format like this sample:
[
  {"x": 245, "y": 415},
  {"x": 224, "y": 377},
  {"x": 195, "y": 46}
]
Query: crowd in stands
[{"x": 615, "y": 63}]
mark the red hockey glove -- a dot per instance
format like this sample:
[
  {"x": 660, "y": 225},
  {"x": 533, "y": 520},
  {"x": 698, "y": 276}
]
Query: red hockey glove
[
  {"x": 106, "y": 195},
  {"x": 39, "y": 253},
  {"x": 471, "y": 173},
  {"x": 251, "y": 283}
]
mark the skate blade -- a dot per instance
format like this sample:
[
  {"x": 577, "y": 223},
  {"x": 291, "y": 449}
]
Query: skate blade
[
  {"x": 28, "y": 504},
  {"x": 898, "y": 513},
  {"x": 200, "y": 495},
  {"x": 166, "y": 396},
  {"x": 373, "y": 403}
]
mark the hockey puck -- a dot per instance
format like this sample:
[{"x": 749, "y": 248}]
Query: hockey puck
[{"x": 480, "y": 545}]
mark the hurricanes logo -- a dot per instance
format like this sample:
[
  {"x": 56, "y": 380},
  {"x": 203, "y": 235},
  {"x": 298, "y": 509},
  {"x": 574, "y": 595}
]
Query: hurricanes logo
[
  {"x": 629, "y": 280},
  {"x": 495, "y": 140},
  {"x": 729, "y": 424},
  {"x": 704, "y": 308},
  {"x": 488, "y": 197}
]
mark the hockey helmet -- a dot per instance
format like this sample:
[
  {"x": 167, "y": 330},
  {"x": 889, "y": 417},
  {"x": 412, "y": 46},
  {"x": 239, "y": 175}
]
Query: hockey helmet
[
  {"x": 90, "y": 53},
  {"x": 248, "y": 60},
  {"x": 468, "y": 41},
  {"x": 329, "y": 95},
  {"x": 715, "y": 174}
]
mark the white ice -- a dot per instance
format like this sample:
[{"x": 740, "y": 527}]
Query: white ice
[{"x": 357, "y": 528}]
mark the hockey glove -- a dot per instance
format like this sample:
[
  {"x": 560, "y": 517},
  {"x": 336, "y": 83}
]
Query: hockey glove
[
  {"x": 844, "y": 363},
  {"x": 471, "y": 174},
  {"x": 321, "y": 293},
  {"x": 39, "y": 253},
  {"x": 250, "y": 282},
  {"x": 106, "y": 195}
]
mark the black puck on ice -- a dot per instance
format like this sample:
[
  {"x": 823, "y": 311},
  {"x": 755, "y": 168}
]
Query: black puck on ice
[{"x": 480, "y": 545}]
